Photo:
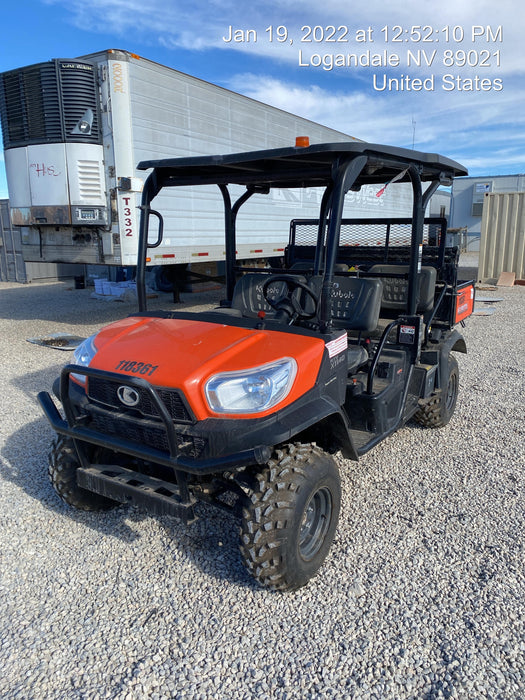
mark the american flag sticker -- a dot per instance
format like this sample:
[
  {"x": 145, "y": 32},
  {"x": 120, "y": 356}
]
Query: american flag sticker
[{"x": 337, "y": 346}]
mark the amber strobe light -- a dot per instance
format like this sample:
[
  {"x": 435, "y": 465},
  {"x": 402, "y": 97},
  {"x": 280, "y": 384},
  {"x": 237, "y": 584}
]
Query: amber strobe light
[{"x": 302, "y": 141}]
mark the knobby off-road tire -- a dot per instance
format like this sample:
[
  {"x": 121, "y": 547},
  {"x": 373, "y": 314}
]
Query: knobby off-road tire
[
  {"x": 289, "y": 522},
  {"x": 439, "y": 410},
  {"x": 62, "y": 468}
]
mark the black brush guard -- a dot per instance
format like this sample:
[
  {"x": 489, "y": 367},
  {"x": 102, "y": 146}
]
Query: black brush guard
[{"x": 125, "y": 485}]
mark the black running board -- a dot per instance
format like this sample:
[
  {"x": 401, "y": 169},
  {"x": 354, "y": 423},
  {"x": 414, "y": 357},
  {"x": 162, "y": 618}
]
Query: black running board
[{"x": 155, "y": 496}]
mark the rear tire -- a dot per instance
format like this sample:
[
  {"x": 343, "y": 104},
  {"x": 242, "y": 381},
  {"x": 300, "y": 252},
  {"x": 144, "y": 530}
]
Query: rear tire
[
  {"x": 289, "y": 522},
  {"x": 62, "y": 470},
  {"x": 439, "y": 410}
]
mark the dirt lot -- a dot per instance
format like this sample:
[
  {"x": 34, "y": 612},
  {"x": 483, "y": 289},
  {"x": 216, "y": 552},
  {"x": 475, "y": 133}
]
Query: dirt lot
[{"x": 422, "y": 595}]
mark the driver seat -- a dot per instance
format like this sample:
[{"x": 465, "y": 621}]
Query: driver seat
[{"x": 248, "y": 296}]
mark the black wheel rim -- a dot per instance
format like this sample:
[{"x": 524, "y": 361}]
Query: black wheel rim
[
  {"x": 315, "y": 523},
  {"x": 451, "y": 392}
]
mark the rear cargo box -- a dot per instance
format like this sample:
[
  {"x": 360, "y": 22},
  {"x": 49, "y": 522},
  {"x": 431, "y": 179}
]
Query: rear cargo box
[{"x": 464, "y": 301}]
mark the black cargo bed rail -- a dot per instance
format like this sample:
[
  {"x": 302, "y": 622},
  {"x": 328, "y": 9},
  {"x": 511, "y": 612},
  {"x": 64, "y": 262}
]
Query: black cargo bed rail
[{"x": 391, "y": 236}]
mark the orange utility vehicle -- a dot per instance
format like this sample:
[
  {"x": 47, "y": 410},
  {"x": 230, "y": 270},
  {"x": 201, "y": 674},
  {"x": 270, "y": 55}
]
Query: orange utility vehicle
[{"x": 245, "y": 405}]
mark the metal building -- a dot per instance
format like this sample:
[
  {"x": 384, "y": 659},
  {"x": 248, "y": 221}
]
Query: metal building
[{"x": 468, "y": 194}]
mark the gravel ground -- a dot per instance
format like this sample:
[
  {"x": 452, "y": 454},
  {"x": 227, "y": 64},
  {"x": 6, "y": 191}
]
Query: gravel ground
[{"x": 422, "y": 595}]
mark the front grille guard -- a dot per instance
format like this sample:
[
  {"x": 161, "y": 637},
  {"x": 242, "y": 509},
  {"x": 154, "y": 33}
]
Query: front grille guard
[
  {"x": 101, "y": 393},
  {"x": 126, "y": 380},
  {"x": 72, "y": 426}
]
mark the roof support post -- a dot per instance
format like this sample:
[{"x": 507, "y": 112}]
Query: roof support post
[
  {"x": 150, "y": 190},
  {"x": 321, "y": 229},
  {"x": 230, "y": 219},
  {"x": 427, "y": 194},
  {"x": 416, "y": 244},
  {"x": 229, "y": 230},
  {"x": 345, "y": 173}
]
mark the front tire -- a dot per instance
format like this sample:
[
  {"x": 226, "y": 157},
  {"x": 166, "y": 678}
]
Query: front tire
[
  {"x": 62, "y": 470},
  {"x": 438, "y": 411},
  {"x": 289, "y": 521}
]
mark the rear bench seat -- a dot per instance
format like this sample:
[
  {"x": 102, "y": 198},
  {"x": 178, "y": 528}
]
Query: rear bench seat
[{"x": 395, "y": 289}]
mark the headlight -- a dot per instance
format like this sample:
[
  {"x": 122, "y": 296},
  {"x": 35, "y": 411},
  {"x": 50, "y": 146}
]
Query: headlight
[
  {"x": 83, "y": 355},
  {"x": 251, "y": 391}
]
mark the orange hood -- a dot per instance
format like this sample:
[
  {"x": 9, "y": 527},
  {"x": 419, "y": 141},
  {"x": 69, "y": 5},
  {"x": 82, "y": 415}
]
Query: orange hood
[{"x": 184, "y": 354}]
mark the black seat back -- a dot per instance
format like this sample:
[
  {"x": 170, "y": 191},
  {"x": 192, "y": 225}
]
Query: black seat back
[
  {"x": 355, "y": 302},
  {"x": 395, "y": 289},
  {"x": 248, "y": 295}
]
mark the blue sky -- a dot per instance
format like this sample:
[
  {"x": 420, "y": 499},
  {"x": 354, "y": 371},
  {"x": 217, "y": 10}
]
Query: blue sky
[{"x": 468, "y": 104}]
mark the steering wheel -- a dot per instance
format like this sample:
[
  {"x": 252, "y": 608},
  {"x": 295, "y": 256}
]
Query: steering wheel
[{"x": 288, "y": 306}]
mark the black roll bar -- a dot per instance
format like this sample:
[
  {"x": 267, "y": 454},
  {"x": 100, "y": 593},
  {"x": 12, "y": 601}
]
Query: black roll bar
[
  {"x": 230, "y": 227},
  {"x": 337, "y": 167},
  {"x": 326, "y": 203},
  {"x": 151, "y": 189},
  {"x": 229, "y": 240},
  {"x": 345, "y": 173},
  {"x": 416, "y": 242}
]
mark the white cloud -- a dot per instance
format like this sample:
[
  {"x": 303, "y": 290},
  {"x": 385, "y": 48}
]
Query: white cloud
[
  {"x": 478, "y": 126},
  {"x": 470, "y": 123},
  {"x": 202, "y": 25}
]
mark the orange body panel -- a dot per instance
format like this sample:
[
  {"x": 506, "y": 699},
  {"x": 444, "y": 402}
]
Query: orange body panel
[
  {"x": 184, "y": 354},
  {"x": 464, "y": 303}
]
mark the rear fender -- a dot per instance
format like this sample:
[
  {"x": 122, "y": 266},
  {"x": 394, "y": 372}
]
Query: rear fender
[{"x": 454, "y": 343}]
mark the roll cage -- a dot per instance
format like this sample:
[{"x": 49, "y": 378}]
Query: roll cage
[{"x": 336, "y": 167}]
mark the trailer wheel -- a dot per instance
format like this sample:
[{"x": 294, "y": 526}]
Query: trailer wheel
[
  {"x": 289, "y": 521},
  {"x": 439, "y": 410},
  {"x": 63, "y": 464}
]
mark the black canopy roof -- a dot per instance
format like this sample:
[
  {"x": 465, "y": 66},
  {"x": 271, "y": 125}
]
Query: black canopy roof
[{"x": 301, "y": 167}]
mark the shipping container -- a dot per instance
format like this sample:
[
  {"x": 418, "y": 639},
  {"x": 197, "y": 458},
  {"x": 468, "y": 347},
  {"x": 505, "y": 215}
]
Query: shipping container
[
  {"x": 12, "y": 268},
  {"x": 502, "y": 236}
]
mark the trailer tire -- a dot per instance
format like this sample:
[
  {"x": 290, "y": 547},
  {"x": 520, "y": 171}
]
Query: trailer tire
[
  {"x": 289, "y": 520},
  {"x": 439, "y": 409},
  {"x": 162, "y": 283},
  {"x": 62, "y": 468}
]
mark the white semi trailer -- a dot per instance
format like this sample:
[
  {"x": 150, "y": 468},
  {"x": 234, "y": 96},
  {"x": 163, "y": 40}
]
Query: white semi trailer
[{"x": 75, "y": 129}]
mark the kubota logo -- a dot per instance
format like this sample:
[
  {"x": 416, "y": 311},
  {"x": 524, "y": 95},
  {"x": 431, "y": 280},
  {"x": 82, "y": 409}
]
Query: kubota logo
[{"x": 128, "y": 396}]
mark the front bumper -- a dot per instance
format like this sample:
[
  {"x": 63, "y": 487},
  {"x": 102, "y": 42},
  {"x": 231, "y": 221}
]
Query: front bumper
[
  {"x": 228, "y": 444},
  {"x": 257, "y": 455}
]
